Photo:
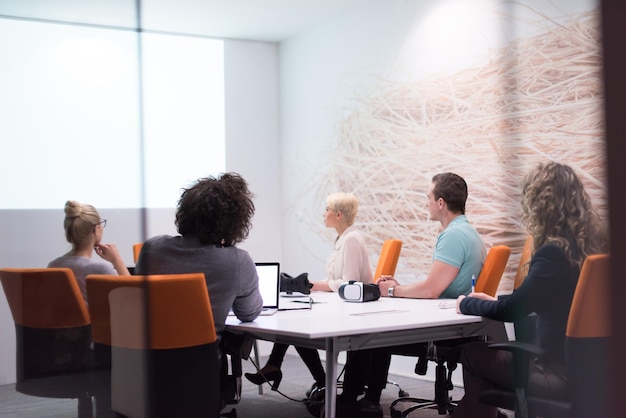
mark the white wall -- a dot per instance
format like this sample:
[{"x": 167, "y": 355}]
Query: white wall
[
  {"x": 320, "y": 69},
  {"x": 326, "y": 71},
  {"x": 252, "y": 138}
]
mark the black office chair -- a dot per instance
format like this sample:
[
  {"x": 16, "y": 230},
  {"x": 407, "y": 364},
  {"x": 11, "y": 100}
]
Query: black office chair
[
  {"x": 447, "y": 353},
  {"x": 586, "y": 345}
]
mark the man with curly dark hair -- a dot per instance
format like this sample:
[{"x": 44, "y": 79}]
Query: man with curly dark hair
[{"x": 212, "y": 217}]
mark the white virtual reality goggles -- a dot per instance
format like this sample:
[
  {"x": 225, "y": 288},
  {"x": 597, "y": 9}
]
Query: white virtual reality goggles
[{"x": 354, "y": 291}]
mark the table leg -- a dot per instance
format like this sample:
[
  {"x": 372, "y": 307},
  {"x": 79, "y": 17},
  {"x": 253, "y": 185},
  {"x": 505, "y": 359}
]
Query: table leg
[{"x": 332, "y": 357}]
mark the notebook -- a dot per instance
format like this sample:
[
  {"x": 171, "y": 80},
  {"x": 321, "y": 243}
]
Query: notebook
[{"x": 269, "y": 285}]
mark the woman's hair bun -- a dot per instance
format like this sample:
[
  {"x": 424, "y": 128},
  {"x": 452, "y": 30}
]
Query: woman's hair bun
[{"x": 72, "y": 209}]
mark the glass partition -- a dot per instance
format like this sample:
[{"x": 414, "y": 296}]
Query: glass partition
[{"x": 96, "y": 110}]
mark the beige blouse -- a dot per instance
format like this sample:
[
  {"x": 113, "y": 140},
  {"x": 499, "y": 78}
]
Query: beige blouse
[{"x": 349, "y": 260}]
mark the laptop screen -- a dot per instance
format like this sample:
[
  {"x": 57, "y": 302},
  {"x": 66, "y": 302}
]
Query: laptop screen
[{"x": 269, "y": 283}]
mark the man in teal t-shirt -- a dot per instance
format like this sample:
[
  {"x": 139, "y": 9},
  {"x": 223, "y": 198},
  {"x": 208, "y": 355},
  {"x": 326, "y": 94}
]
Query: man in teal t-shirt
[
  {"x": 459, "y": 254},
  {"x": 460, "y": 246}
]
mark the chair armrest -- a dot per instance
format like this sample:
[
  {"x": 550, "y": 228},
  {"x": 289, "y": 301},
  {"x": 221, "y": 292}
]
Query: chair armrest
[
  {"x": 522, "y": 353},
  {"x": 519, "y": 348}
]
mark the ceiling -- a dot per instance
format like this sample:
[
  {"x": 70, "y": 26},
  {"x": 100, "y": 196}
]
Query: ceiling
[{"x": 261, "y": 20}]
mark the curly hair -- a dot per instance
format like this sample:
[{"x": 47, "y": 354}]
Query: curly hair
[
  {"x": 453, "y": 189},
  {"x": 556, "y": 209},
  {"x": 216, "y": 210}
]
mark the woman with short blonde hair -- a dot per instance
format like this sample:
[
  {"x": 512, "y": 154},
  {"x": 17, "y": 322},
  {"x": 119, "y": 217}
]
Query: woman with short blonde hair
[
  {"x": 348, "y": 261},
  {"x": 346, "y": 203}
]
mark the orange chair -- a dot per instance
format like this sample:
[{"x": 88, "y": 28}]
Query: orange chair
[
  {"x": 100, "y": 313},
  {"x": 387, "y": 262},
  {"x": 388, "y": 259},
  {"x": 522, "y": 268},
  {"x": 587, "y": 342},
  {"x": 493, "y": 268},
  {"x": 136, "y": 251},
  {"x": 53, "y": 334},
  {"x": 164, "y": 351},
  {"x": 524, "y": 328}
]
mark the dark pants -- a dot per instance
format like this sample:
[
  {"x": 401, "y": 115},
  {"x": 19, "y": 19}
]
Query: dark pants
[
  {"x": 309, "y": 355},
  {"x": 485, "y": 368},
  {"x": 366, "y": 368}
]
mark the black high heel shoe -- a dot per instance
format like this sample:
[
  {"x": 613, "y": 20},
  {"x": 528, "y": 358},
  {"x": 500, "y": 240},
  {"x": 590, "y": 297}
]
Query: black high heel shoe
[
  {"x": 259, "y": 378},
  {"x": 314, "y": 388}
]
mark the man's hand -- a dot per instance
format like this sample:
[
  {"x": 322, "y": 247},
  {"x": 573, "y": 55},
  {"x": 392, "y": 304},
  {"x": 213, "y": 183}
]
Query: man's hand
[{"x": 384, "y": 283}]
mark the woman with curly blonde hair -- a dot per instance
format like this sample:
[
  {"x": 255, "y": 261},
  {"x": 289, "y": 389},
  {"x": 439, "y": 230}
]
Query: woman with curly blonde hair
[{"x": 558, "y": 214}]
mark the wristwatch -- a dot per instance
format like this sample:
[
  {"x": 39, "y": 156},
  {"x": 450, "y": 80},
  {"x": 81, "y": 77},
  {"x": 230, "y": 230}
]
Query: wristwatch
[{"x": 390, "y": 291}]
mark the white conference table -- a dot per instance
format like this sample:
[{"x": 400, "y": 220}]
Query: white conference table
[{"x": 335, "y": 325}]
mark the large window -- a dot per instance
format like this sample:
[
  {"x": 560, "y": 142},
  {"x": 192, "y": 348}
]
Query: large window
[{"x": 96, "y": 114}]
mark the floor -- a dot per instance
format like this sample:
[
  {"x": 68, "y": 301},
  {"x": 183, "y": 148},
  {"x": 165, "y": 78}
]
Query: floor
[{"x": 271, "y": 404}]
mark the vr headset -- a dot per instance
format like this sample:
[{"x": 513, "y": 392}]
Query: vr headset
[{"x": 354, "y": 291}]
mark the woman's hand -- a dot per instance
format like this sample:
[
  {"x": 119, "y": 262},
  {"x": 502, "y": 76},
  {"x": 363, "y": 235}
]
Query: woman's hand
[
  {"x": 458, "y": 303},
  {"x": 482, "y": 296},
  {"x": 110, "y": 253}
]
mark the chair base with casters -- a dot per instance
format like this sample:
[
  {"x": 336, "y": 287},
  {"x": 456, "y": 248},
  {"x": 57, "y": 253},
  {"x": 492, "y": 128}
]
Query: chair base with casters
[{"x": 446, "y": 357}]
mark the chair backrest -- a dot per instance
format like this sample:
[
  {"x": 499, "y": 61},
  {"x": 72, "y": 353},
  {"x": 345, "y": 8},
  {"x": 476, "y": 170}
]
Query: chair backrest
[
  {"x": 136, "y": 250},
  {"x": 590, "y": 312},
  {"x": 588, "y": 339},
  {"x": 388, "y": 259},
  {"x": 493, "y": 268},
  {"x": 51, "y": 321},
  {"x": 98, "y": 289},
  {"x": 522, "y": 268},
  {"x": 44, "y": 297},
  {"x": 176, "y": 307},
  {"x": 99, "y": 286},
  {"x": 165, "y": 359}
]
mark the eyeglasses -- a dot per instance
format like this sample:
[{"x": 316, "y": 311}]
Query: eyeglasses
[{"x": 102, "y": 222}]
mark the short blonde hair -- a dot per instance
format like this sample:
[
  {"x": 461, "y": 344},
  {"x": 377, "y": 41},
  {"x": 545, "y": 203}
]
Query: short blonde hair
[{"x": 346, "y": 203}]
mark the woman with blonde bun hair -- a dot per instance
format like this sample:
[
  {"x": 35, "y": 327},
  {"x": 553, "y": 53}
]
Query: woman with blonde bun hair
[{"x": 83, "y": 229}]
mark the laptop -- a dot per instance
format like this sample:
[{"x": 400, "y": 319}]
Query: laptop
[{"x": 269, "y": 285}]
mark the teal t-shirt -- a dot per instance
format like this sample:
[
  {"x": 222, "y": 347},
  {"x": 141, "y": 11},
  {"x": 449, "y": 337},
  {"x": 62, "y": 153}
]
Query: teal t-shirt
[{"x": 459, "y": 245}]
